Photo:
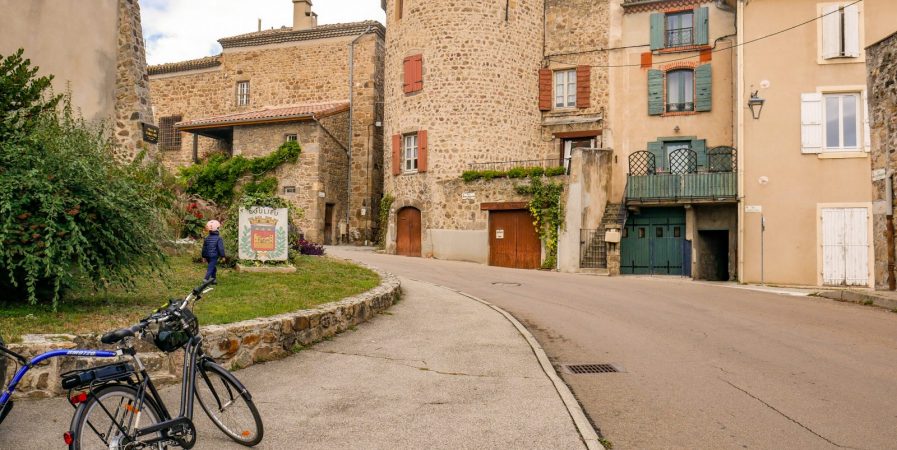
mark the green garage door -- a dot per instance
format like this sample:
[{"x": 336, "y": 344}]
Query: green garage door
[{"x": 654, "y": 243}]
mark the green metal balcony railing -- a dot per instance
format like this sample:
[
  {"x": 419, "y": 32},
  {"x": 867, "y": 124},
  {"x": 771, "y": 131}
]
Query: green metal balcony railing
[{"x": 682, "y": 186}]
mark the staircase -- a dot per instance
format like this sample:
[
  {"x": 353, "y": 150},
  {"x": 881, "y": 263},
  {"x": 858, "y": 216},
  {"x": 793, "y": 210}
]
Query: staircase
[{"x": 594, "y": 249}]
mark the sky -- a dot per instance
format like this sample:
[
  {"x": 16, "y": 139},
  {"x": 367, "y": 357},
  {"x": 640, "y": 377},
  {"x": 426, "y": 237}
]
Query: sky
[{"x": 177, "y": 30}]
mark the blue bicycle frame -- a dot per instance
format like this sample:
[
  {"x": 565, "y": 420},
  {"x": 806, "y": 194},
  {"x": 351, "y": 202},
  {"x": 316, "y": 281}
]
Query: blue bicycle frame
[{"x": 26, "y": 365}]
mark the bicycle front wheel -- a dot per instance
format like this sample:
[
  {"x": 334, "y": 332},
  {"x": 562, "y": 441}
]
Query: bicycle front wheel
[
  {"x": 109, "y": 418},
  {"x": 228, "y": 404}
]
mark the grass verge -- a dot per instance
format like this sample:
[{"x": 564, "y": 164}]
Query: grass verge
[{"x": 238, "y": 296}]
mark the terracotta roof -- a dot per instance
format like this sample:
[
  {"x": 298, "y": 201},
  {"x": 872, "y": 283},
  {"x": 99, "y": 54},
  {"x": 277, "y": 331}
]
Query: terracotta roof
[
  {"x": 193, "y": 64},
  {"x": 283, "y": 113},
  {"x": 286, "y": 34},
  {"x": 637, "y": 6}
]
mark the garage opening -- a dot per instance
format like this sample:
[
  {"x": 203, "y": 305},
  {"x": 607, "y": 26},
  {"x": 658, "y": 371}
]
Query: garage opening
[
  {"x": 713, "y": 255},
  {"x": 513, "y": 241}
]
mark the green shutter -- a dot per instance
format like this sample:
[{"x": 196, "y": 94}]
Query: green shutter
[
  {"x": 655, "y": 92},
  {"x": 656, "y": 149},
  {"x": 702, "y": 26},
  {"x": 699, "y": 146},
  {"x": 703, "y": 88},
  {"x": 657, "y": 30}
]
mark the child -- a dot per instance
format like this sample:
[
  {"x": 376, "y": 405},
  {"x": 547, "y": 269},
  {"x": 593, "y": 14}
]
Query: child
[{"x": 212, "y": 249}]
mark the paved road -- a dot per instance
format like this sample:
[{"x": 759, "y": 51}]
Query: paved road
[
  {"x": 439, "y": 370},
  {"x": 705, "y": 366}
]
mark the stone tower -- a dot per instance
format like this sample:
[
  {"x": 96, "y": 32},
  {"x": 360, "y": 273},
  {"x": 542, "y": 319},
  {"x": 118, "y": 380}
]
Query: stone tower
[{"x": 461, "y": 88}]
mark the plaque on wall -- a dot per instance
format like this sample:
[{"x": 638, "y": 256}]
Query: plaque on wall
[{"x": 150, "y": 133}]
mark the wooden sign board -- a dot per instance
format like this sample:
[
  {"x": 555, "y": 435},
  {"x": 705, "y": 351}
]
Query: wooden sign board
[{"x": 150, "y": 133}]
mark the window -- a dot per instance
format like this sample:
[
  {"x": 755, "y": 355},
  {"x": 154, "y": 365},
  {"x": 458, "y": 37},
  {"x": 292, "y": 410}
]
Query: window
[
  {"x": 680, "y": 90},
  {"x": 565, "y": 89},
  {"x": 680, "y": 29},
  {"x": 677, "y": 232},
  {"x": 242, "y": 93},
  {"x": 840, "y": 32},
  {"x": 641, "y": 233},
  {"x": 171, "y": 138},
  {"x": 842, "y": 121},
  {"x": 659, "y": 232},
  {"x": 292, "y": 138},
  {"x": 289, "y": 189},
  {"x": 409, "y": 153}
]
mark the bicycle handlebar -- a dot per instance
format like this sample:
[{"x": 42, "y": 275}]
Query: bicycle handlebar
[
  {"x": 198, "y": 290},
  {"x": 117, "y": 335}
]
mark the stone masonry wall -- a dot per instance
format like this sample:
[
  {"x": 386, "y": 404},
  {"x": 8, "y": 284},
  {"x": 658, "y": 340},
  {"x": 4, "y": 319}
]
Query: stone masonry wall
[
  {"x": 285, "y": 74},
  {"x": 234, "y": 346},
  {"x": 881, "y": 63},
  {"x": 132, "y": 96}
]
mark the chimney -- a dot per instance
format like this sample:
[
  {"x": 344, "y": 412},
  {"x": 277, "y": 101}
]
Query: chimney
[{"x": 303, "y": 17}]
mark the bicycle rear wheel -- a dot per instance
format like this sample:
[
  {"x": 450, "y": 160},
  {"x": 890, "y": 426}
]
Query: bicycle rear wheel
[
  {"x": 107, "y": 419},
  {"x": 228, "y": 404}
]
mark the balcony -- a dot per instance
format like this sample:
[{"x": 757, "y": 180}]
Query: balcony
[{"x": 682, "y": 178}]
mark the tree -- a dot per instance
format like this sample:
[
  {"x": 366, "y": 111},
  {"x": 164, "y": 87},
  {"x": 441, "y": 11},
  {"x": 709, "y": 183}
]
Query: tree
[{"x": 22, "y": 95}]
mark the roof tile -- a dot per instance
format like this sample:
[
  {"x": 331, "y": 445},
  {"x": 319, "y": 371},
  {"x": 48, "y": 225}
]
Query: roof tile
[{"x": 268, "y": 114}]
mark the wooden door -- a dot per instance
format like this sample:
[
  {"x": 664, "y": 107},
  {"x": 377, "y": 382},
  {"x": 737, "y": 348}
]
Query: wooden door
[
  {"x": 408, "y": 232},
  {"x": 513, "y": 240},
  {"x": 654, "y": 243},
  {"x": 328, "y": 224},
  {"x": 845, "y": 247}
]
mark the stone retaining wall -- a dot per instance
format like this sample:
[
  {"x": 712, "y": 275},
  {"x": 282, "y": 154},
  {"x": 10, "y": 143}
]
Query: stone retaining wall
[{"x": 235, "y": 345}]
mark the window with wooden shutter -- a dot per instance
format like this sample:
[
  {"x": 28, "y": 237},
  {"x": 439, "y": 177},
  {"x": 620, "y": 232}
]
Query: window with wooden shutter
[
  {"x": 811, "y": 122},
  {"x": 396, "y": 154},
  {"x": 545, "y": 89},
  {"x": 840, "y": 32},
  {"x": 702, "y": 26},
  {"x": 413, "y": 74},
  {"x": 655, "y": 92},
  {"x": 583, "y": 86},
  {"x": 422, "y": 151},
  {"x": 170, "y": 137},
  {"x": 657, "y": 31},
  {"x": 703, "y": 88}
]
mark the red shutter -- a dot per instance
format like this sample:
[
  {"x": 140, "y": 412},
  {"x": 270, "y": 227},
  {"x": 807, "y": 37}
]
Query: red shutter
[
  {"x": 422, "y": 151},
  {"x": 706, "y": 55},
  {"x": 583, "y": 86},
  {"x": 414, "y": 74},
  {"x": 647, "y": 60},
  {"x": 396, "y": 154},
  {"x": 544, "y": 89}
]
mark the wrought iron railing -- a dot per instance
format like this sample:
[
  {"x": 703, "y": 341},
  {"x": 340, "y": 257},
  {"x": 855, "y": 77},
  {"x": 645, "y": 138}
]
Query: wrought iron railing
[
  {"x": 592, "y": 249},
  {"x": 682, "y": 175},
  {"x": 678, "y": 37},
  {"x": 679, "y": 107},
  {"x": 525, "y": 163}
]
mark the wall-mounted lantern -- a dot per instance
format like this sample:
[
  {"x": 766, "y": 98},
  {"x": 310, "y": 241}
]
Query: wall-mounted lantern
[{"x": 756, "y": 104}]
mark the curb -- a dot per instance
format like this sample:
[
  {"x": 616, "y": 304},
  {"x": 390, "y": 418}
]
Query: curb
[
  {"x": 583, "y": 426},
  {"x": 862, "y": 298}
]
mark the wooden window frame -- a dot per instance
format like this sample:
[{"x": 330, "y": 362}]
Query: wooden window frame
[
  {"x": 858, "y": 126},
  {"x": 243, "y": 98},
  {"x": 410, "y": 164},
  {"x": 287, "y": 136},
  {"x": 666, "y": 30},
  {"x": 568, "y": 90},
  {"x": 666, "y": 92}
]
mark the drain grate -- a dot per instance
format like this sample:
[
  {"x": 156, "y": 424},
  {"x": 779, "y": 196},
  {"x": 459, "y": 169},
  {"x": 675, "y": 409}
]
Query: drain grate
[{"x": 592, "y": 368}]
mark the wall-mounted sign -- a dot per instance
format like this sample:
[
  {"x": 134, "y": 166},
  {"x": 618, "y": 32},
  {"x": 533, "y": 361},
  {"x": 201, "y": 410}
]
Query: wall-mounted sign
[
  {"x": 753, "y": 208},
  {"x": 150, "y": 133},
  {"x": 263, "y": 234},
  {"x": 499, "y": 233},
  {"x": 879, "y": 174},
  {"x": 321, "y": 194},
  {"x": 468, "y": 196}
]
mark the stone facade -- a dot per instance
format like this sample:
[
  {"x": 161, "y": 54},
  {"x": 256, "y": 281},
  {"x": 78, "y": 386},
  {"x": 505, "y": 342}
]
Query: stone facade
[
  {"x": 288, "y": 67},
  {"x": 480, "y": 104},
  {"x": 234, "y": 346},
  {"x": 881, "y": 66},
  {"x": 132, "y": 97}
]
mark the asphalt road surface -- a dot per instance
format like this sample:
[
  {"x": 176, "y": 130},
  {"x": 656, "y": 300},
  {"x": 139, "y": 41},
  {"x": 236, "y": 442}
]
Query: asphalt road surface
[{"x": 704, "y": 366}]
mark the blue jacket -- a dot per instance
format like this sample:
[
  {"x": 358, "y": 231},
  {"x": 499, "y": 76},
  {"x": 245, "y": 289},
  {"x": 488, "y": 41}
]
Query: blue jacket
[{"x": 213, "y": 246}]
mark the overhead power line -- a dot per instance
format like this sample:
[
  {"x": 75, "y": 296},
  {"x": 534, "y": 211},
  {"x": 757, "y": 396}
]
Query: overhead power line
[{"x": 712, "y": 50}]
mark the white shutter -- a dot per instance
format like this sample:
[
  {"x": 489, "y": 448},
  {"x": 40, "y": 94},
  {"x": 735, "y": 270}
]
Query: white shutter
[
  {"x": 856, "y": 247},
  {"x": 811, "y": 122},
  {"x": 867, "y": 130},
  {"x": 831, "y": 32},
  {"x": 852, "y": 31}
]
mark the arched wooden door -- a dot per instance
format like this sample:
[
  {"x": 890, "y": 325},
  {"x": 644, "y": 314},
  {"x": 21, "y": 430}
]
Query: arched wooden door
[{"x": 408, "y": 232}]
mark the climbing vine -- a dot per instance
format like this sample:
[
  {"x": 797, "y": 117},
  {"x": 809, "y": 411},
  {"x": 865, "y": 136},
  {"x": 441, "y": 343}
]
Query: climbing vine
[
  {"x": 385, "y": 205},
  {"x": 217, "y": 177},
  {"x": 546, "y": 208}
]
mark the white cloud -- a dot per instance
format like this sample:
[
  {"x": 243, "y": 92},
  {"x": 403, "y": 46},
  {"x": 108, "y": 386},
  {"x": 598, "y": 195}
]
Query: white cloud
[{"x": 176, "y": 30}]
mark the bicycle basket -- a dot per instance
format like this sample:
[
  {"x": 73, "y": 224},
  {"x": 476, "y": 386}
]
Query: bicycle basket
[{"x": 177, "y": 332}]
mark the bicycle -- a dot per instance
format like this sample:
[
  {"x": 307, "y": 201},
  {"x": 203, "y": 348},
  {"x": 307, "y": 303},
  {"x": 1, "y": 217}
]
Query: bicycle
[{"x": 117, "y": 406}]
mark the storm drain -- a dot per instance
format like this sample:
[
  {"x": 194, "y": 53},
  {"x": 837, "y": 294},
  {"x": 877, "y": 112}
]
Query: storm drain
[{"x": 591, "y": 368}]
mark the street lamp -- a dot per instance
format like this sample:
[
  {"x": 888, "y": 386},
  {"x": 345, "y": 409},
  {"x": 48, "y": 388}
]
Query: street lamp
[{"x": 756, "y": 104}]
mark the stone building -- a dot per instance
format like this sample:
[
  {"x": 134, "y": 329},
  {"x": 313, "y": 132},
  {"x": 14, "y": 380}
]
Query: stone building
[
  {"x": 469, "y": 87},
  {"x": 881, "y": 72},
  {"x": 284, "y": 84},
  {"x": 109, "y": 82}
]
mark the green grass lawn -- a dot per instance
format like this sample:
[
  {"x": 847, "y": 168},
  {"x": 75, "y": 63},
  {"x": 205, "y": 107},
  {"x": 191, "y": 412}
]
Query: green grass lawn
[{"x": 238, "y": 296}]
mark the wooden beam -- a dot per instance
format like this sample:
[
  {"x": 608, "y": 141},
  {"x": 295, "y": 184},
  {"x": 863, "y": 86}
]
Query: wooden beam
[{"x": 503, "y": 206}]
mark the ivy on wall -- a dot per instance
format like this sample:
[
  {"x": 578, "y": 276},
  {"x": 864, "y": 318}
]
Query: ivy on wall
[
  {"x": 385, "y": 206},
  {"x": 217, "y": 177},
  {"x": 548, "y": 211}
]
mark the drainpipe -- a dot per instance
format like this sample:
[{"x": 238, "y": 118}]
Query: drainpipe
[{"x": 351, "y": 117}]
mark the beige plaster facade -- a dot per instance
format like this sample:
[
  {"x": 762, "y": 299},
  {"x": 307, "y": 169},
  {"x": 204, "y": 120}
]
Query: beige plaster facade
[
  {"x": 301, "y": 66},
  {"x": 781, "y": 179},
  {"x": 104, "y": 69}
]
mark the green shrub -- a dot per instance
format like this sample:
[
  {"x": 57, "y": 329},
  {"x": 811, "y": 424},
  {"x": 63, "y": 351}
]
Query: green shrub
[
  {"x": 23, "y": 96},
  {"x": 517, "y": 172},
  {"x": 471, "y": 175},
  {"x": 383, "y": 219},
  {"x": 555, "y": 171},
  {"x": 69, "y": 213},
  {"x": 536, "y": 172}
]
